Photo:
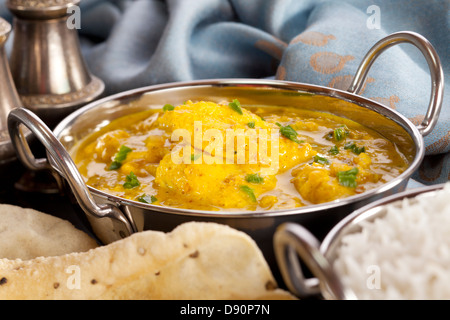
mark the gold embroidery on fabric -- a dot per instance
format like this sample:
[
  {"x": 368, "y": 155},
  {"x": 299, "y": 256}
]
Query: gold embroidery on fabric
[
  {"x": 328, "y": 62},
  {"x": 417, "y": 119},
  {"x": 281, "y": 73},
  {"x": 343, "y": 82},
  {"x": 389, "y": 102},
  {"x": 440, "y": 145},
  {"x": 313, "y": 38}
]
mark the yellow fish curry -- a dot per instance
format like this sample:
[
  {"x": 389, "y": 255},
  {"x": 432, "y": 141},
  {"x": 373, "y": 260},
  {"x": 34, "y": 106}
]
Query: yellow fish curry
[{"x": 224, "y": 156}]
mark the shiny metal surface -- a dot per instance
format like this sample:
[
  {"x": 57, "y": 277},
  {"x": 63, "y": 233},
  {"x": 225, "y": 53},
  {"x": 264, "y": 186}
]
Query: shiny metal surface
[
  {"x": 291, "y": 240},
  {"x": 319, "y": 258},
  {"x": 48, "y": 69},
  {"x": 261, "y": 226},
  {"x": 40, "y": 9},
  {"x": 120, "y": 225},
  {"x": 289, "y": 237},
  {"x": 434, "y": 64},
  {"x": 9, "y": 98}
]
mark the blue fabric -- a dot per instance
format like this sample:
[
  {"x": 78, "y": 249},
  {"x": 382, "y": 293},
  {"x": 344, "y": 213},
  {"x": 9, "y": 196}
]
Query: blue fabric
[{"x": 131, "y": 44}]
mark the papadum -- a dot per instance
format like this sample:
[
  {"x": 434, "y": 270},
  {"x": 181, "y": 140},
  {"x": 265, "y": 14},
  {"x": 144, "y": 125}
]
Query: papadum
[
  {"x": 197, "y": 261},
  {"x": 27, "y": 233}
]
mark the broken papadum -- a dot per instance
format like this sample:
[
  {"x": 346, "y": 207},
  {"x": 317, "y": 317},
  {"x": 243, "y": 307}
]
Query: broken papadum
[
  {"x": 27, "y": 233},
  {"x": 197, "y": 260}
]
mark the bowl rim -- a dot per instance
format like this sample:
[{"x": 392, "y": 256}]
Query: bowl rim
[
  {"x": 369, "y": 212},
  {"x": 404, "y": 122}
]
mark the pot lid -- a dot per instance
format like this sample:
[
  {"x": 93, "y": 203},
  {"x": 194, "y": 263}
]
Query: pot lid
[{"x": 42, "y": 9}]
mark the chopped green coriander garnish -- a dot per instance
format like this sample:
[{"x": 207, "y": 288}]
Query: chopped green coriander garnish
[
  {"x": 321, "y": 160},
  {"x": 334, "y": 151},
  {"x": 355, "y": 149},
  {"x": 349, "y": 145},
  {"x": 251, "y": 125},
  {"x": 348, "y": 178},
  {"x": 119, "y": 157},
  {"x": 145, "y": 198},
  {"x": 254, "y": 178},
  {"x": 288, "y": 132},
  {"x": 168, "y": 107},
  {"x": 236, "y": 106},
  {"x": 359, "y": 150},
  {"x": 131, "y": 181},
  {"x": 340, "y": 133},
  {"x": 249, "y": 192}
]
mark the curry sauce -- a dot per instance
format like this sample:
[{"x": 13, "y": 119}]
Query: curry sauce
[{"x": 224, "y": 156}]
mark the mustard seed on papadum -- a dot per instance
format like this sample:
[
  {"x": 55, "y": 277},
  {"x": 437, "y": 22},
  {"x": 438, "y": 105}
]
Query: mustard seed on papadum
[{"x": 197, "y": 261}]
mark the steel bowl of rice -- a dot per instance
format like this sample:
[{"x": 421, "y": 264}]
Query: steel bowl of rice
[{"x": 397, "y": 248}]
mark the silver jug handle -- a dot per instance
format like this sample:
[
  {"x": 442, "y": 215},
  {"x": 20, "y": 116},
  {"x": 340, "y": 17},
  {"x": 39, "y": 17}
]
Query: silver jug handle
[
  {"x": 62, "y": 163},
  {"x": 434, "y": 64},
  {"x": 292, "y": 241}
]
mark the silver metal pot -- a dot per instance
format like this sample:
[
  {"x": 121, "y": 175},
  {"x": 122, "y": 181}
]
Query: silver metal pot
[
  {"x": 112, "y": 217},
  {"x": 9, "y": 98},
  {"x": 47, "y": 66},
  {"x": 292, "y": 239}
]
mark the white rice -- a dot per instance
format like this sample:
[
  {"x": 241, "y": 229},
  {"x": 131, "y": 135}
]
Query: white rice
[{"x": 403, "y": 255}]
